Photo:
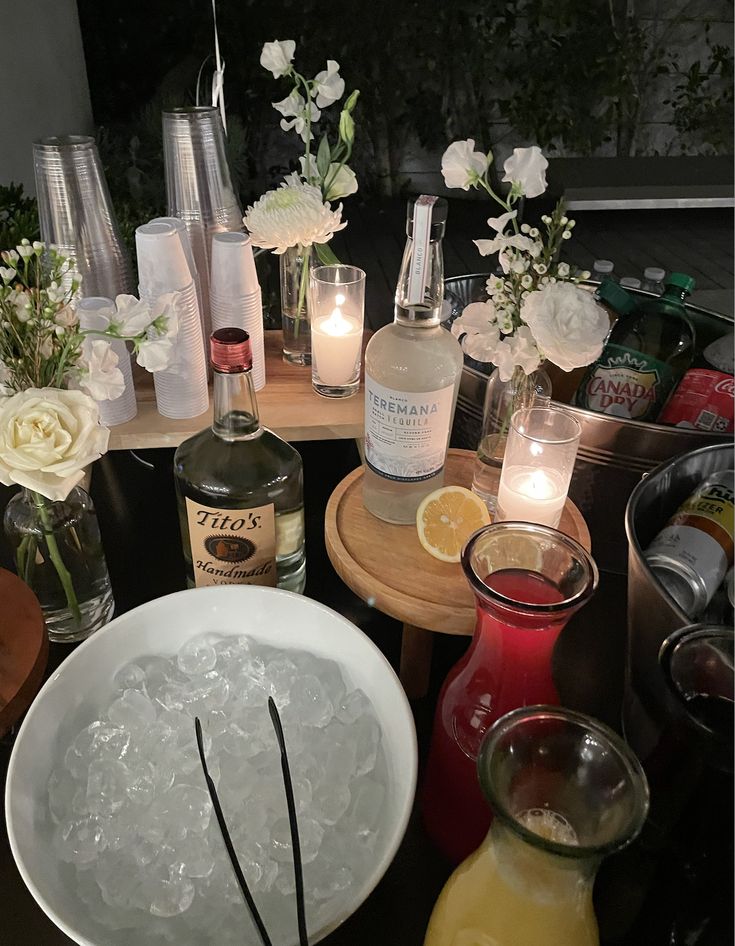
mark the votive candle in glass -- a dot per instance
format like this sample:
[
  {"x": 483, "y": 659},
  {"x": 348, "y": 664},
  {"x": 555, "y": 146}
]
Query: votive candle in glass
[
  {"x": 337, "y": 314},
  {"x": 538, "y": 465}
]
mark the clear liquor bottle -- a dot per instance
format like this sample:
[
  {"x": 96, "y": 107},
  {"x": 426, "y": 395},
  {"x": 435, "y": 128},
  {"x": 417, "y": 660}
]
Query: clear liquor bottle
[
  {"x": 412, "y": 373},
  {"x": 239, "y": 487}
]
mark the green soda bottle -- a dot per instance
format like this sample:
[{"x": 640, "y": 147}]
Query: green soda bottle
[{"x": 647, "y": 353}]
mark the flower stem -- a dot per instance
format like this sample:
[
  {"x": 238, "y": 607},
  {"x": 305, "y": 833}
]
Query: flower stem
[
  {"x": 302, "y": 289},
  {"x": 61, "y": 570}
]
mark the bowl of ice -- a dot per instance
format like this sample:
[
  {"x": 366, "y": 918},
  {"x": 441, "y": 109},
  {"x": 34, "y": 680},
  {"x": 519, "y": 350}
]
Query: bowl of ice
[{"x": 108, "y": 815}]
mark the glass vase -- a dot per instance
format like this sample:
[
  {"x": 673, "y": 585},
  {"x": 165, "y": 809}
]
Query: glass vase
[
  {"x": 295, "y": 265},
  {"x": 566, "y": 792},
  {"x": 58, "y": 553},
  {"x": 502, "y": 400},
  {"x": 527, "y": 580}
]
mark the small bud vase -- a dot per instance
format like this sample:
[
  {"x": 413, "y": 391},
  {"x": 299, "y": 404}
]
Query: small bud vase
[
  {"x": 58, "y": 553},
  {"x": 295, "y": 265},
  {"x": 502, "y": 400}
]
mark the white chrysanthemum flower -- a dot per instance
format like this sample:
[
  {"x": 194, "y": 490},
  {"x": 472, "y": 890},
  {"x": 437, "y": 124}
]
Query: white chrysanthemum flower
[{"x": 290, "y": 215}]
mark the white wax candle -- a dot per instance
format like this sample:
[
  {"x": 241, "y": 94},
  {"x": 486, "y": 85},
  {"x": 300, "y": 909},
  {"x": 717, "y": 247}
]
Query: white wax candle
[
  {"x": 335, "y": 346},
  {"x": 531, "y": 495}
]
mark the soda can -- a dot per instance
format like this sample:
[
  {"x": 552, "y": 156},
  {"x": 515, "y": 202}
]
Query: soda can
[
  {"x": 704, "y": 400},
  {"x": 692, "y": 554}
]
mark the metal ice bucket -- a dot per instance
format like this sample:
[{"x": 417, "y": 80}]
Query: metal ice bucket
[
  {"x": 652, "y": 614},
  {"x": 614, "y": 453}
]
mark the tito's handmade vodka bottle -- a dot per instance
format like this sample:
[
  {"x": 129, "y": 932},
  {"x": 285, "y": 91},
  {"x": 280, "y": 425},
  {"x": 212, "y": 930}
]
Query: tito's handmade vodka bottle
[
  {"x": 239, "y": 487},
  {"x": 412, "y": 373}
]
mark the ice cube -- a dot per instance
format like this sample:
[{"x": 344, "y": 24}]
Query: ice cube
[
  {"x": 79, "y": 841},
  {"x": 367, "y": 802},
  {"x": 352, "y": 706},
  {"x": 130, "y": 677},
  {"x": 133, "y": 710},
  {"x": 107, "y": 785},
  {"x": 309, "y": 703},
  {"x": 172, "y": 897},
  {"x": 197, "y": 656}
]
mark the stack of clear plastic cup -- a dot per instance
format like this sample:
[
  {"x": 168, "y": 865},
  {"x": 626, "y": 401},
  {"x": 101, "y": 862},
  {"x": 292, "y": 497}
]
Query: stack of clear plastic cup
[
  {"x": 95, "y": 313},
  {"x": 198, "y": 185},
  {"x": 234, "y": 294},
  {"x": 76, "y": 215},
  {"x": 181, "y": 389}
]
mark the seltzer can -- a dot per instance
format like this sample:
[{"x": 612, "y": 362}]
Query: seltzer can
[{"x": 692, "y": 554}]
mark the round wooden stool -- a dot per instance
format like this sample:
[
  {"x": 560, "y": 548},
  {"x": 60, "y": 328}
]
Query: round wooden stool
[
  {"x": 23, "y": 648},
  {"x": 387, "y": 567}
]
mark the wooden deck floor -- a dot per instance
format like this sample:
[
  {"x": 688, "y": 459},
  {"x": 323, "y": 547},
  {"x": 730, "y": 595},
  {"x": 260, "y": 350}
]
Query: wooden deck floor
[{"x": 697, "y": 242}]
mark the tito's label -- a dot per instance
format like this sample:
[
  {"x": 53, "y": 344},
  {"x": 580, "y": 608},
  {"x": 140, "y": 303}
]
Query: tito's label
[
  {"x": 627, "y": 383},
  {"x": 232, "y": 546},
  {"x": 406, "y": 433}
]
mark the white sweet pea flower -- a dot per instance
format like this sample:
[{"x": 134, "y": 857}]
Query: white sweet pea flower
[
  {"x": 516, "y": 351},
  {"x": 568, "y": 325},
  {"x": 501, "y": 222},
  {"x": 342, "y": 182},
  {"x": 462, "y": 166},
  {"x": 277, "y": 56},
  {"x": 47, "y": 437},
  {"x": 158, "y": 350},
  {"x": 502, "y": 242},
  {"x": 476, "y": 319},
  {"x": 292, "y": 214},
  {"x": 101, "y": 378},
  {"x": 526, "y": 168},
  {"x": 329, "y": 85},
  {"x": 133, "y": 316},
  {"x": 482, "y": 347},
  {"x": 295, "y": 105}
]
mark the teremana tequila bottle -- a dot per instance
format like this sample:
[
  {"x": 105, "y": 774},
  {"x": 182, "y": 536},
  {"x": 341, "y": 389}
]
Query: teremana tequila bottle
[
  {"x": 239, "y": 487},
  {"x": 412, "y": 373}
]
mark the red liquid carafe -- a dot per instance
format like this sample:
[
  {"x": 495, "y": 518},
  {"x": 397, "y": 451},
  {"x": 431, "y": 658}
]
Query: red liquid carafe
[{"x": 528, "y": 580}]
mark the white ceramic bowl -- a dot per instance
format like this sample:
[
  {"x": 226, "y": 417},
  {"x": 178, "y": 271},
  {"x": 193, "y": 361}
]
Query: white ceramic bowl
[{"x": 68, "y": 701}]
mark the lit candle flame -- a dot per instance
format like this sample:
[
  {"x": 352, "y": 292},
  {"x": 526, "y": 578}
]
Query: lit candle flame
[{"x": 337, "y": 324}]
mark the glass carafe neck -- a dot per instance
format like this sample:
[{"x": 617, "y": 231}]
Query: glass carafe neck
[
  {"x": 422, "y": 308},
  {"x": 532, "y": 868},
  {"x": 235, "y": 406}
]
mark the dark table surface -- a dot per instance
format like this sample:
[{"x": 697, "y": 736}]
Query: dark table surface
[{"x": 135, "y": 502}]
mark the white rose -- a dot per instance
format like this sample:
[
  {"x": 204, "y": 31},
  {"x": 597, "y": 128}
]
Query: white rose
[
  {"x": 567, "y": 324},
  {"x": 276, "y": 57},
  {"x": 462, "y": 166},
  {"x": 526, "y": 168},
  {"x": 47, "y": 437}
]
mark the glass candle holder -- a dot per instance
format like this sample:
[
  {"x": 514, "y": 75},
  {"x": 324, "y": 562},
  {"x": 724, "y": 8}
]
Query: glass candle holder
[
  {"x": 337, "y": 312},
  {"x": 538, "y": 466}
]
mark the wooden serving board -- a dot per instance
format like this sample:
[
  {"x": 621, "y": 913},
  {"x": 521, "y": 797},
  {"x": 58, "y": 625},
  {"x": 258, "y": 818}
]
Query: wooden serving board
[
  {"x": 386, "y": 565},
  {"x": 23, "y": 648},
  {"x": 287, "y": 404}
]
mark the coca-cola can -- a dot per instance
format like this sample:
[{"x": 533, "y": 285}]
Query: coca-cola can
[{"x": 705, "y": 400}]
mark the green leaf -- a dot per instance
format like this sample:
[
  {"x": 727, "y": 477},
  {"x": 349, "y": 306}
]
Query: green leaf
[
  {"x": 326, "y": 254},
  {"x": 323, "y": 158}
]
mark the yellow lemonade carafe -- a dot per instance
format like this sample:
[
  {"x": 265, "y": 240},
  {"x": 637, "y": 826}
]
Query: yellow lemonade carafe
[{"x": 565, "y": 791}]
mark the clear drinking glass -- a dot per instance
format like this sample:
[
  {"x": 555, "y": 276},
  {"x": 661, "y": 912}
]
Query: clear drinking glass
[
  {"x": 58, "y": 553},
  {"x": 337, "y": 316},
  {"x": 566, "y": 791},
  {"x": 538, "y": 465},
  {"x": 527, "y": 580},
  {"x": 502, "y": 400}
]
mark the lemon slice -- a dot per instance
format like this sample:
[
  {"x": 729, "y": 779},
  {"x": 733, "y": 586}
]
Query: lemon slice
[{"x": 446, "y": 518}]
